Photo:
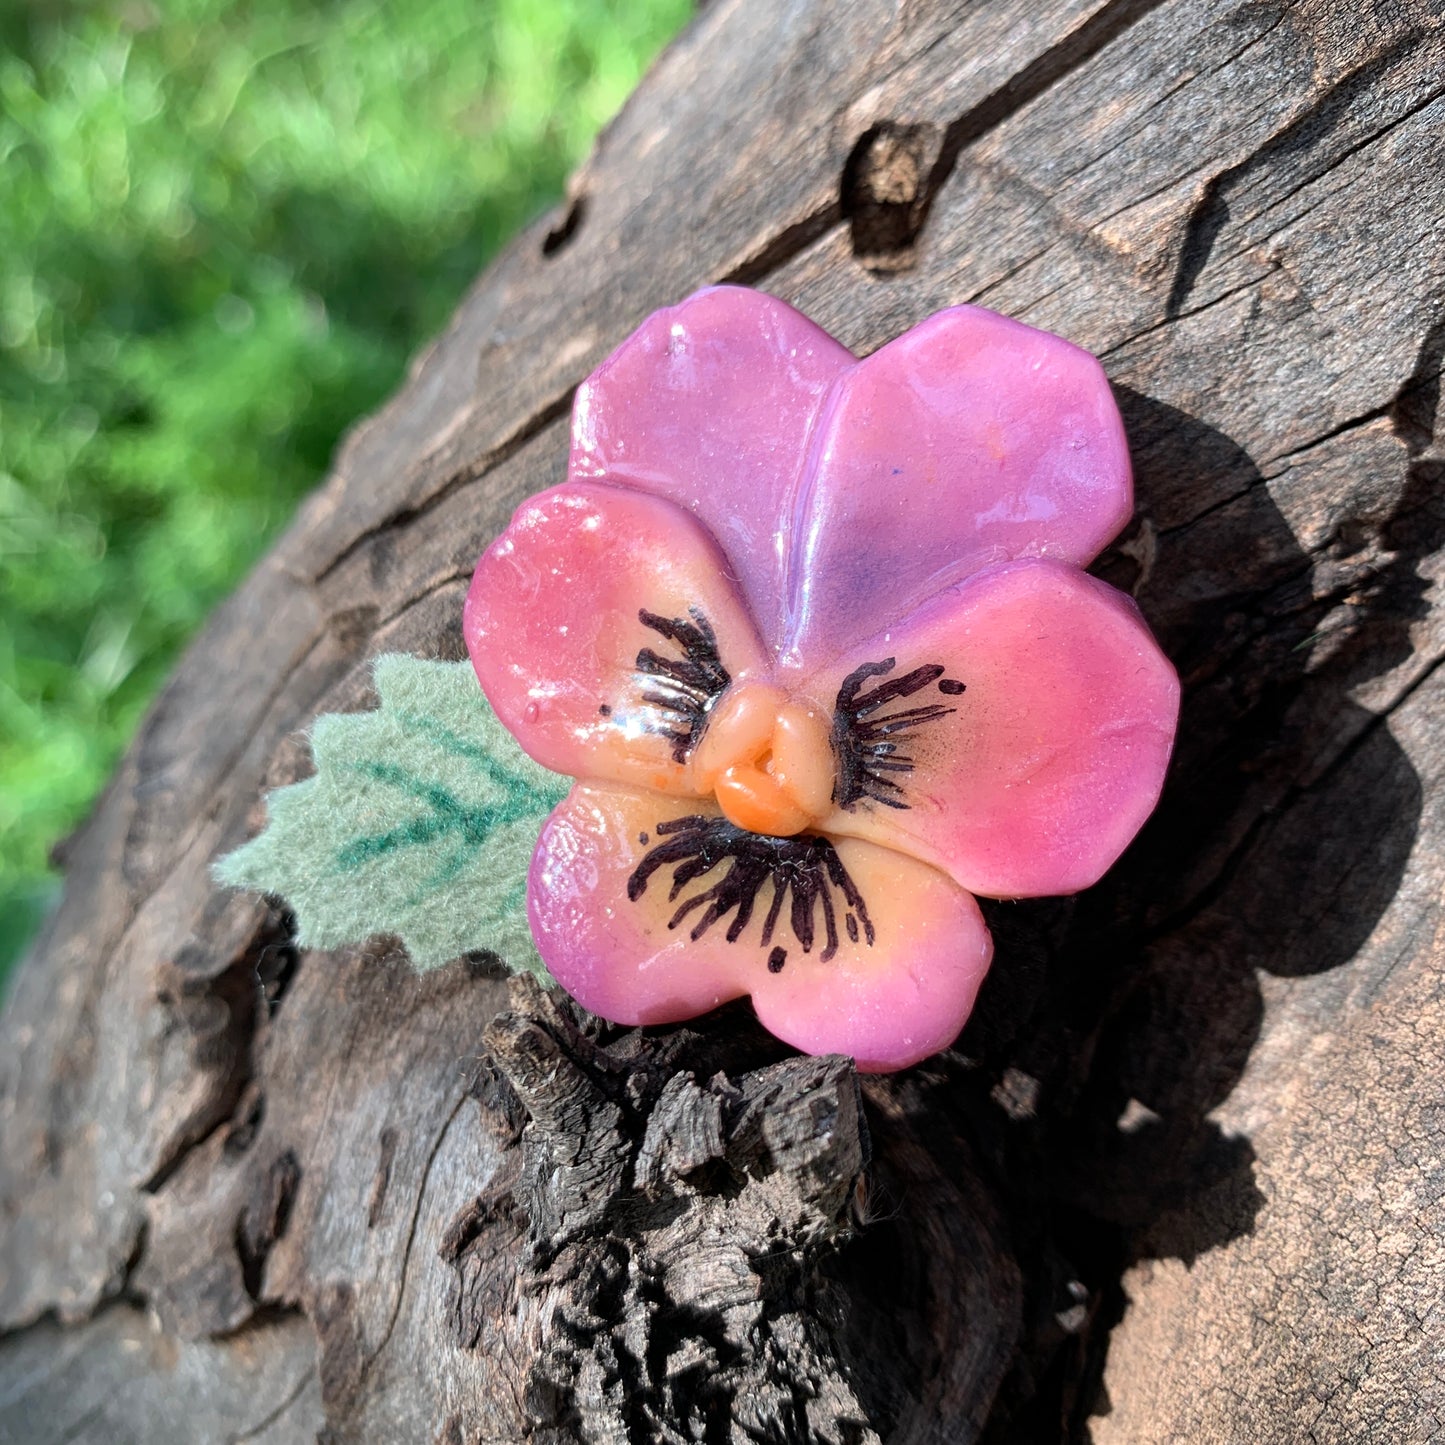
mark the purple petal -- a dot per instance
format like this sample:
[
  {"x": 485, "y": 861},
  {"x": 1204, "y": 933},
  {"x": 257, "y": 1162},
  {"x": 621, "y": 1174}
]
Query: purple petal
[
  {"x": 711, "y": 404},
  {"x": 970, "y": 440}
]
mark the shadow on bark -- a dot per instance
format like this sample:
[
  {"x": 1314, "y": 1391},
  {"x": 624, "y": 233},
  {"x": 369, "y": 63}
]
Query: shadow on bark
[
  {"x": 1114, "y": 1023},
  {"x": 1069, "y": 1134}
]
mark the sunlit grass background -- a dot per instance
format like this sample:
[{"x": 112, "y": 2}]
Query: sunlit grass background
[{"x": 223, "y": 229}]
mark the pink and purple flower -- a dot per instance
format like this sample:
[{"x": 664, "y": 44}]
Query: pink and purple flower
[{"x": 813, "y": 637}]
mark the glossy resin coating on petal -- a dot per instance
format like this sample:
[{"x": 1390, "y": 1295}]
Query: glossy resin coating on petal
[
  {"x": 1047, "y": 750},
  {"x": 970, "y": 440},
  {"x": 711, "y": 404},
  {"x": 586, "y": 581},
  {"x": 813, "y": 635},
  {"x": 651, "y": 910}
]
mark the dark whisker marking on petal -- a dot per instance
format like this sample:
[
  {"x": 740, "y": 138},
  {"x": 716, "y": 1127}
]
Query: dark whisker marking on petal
[
  {"x": 804, "y": 871},
  {"x": 849, "y": 889},
  {"x": 830, "y": 925},
  {"x": 683, "y": 689},
  {"x": 802, "y": 910},
  {"x": 911, "y": 715},
  {"x": 861, "y": 736},
  {"x": 887, "y": 692},
  {"x": 779, "y": 892}
]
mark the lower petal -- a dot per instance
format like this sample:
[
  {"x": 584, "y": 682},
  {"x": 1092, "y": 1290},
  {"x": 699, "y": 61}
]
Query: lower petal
[{"x": 649, "y": 910}]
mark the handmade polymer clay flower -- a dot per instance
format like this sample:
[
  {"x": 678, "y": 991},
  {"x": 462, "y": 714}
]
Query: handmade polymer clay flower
[{"x": 812, "y": 636}]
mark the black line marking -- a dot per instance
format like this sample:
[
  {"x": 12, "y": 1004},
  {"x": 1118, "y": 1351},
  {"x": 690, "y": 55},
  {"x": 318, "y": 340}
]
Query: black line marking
[
  {"x": 863, "y": 744},
  {"x": 804, "y": 870},
  {"x": 684, "y": 688}
]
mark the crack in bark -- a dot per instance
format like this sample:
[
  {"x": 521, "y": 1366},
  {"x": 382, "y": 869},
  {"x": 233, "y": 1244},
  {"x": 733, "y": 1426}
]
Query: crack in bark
[
  {"x": 1319, "y": 119},
  {"x": 375, "y": 1354},
  {"x": 267, "y": 1421},
  {"x": 526, "y": 431},
  {"x": 783, "y": 247},
  {"x": 1372, "y": 139}
]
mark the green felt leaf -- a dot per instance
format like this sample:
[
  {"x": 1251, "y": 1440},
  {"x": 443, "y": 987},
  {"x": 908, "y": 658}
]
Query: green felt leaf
[{"x": 420, "y": 821}]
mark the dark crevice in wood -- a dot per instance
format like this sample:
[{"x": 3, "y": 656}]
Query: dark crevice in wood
[
  {"x": 262, "y": 1222},
  {"x": 883, "y": 192},
  {"x": 1164, "y": 323},
  {"x": 1055, "y": 64},
  {"x": 267, "y": 1421},
  {"x": 381, "y": 1180},
  {"x": 266, "y": 1316},
  {"x": 241, "y": 1132},
  {"x": 785, "y": 246},
  {"x": 1263, "y": 478},
  {"x": 1302, "y": 183},
  {"x": 561, "y": 235},
  {"x": 221, "y": 1008},
  {"x": 979, "y": 297},
  {"x": 370, "y": 1358},
  {"x": 276, "y": 961},
  {"x": 1372, "y": 723},
  {"x": 888, "y": 221},
  {"x": 122, "y": 1289},
  {"x": 1350, "y": 424},
  {"x": 1277, "y": 12},
  {"x": 544, "y": 417},
  {"x": 452, "y": 579}
]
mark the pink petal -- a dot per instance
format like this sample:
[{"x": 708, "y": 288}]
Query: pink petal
[
  {"x": 553, "y": 625},
  {"x": 888, "y": 1003},
  {"x": 1055, "y": 752},
  {"x": 970, "y": 440},
  {"x": 710, "y": 404}
]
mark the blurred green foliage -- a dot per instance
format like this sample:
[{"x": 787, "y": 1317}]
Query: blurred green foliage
[{"x": 223, "y": 229}]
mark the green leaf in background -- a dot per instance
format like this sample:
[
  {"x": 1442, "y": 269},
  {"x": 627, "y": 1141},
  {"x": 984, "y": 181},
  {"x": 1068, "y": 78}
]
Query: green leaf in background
[{"x": 420, "y": 821}]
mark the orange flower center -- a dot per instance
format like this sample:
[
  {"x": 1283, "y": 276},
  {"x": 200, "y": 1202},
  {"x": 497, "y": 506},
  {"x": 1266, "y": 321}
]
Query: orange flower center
[{"x": 768, "y": 760}]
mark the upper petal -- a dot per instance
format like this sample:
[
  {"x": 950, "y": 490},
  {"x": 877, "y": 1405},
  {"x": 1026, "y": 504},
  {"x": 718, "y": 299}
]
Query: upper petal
[
  {"x": 711, "y": 404},
  {"x": 1034, "y": 776},
  {"x": 631, "y": 942},
  {"x": 970, "y": 440},
  {"x": 575, "y": 608}
]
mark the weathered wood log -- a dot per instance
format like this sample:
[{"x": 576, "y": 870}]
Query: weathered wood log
[{"x": 1181, "y": 1178}]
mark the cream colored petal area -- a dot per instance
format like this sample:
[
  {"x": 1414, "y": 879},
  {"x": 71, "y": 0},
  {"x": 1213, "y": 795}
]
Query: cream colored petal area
[{"x": 909, "y": 947}]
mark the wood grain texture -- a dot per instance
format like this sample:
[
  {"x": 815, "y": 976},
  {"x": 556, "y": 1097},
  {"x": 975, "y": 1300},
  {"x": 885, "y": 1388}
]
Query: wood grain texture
[{"x": 1181, "y": 1179}]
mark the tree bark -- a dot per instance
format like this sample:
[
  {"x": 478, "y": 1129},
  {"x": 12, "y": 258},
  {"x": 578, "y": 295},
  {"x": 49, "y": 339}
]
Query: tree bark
[{"x": 1181, "y": 1177}]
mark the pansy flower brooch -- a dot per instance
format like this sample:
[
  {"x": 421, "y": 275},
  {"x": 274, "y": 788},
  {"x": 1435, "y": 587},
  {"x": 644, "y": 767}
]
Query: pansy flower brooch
[{"x": 813, "y": 638}]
